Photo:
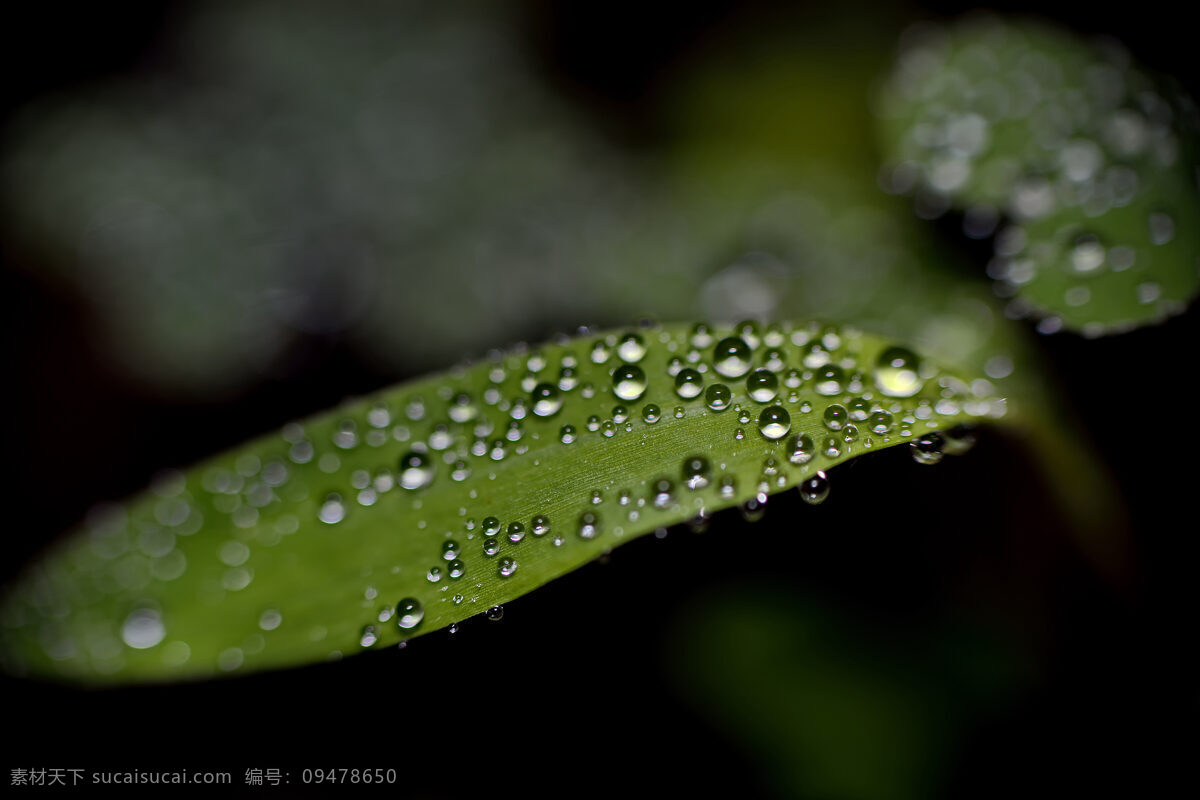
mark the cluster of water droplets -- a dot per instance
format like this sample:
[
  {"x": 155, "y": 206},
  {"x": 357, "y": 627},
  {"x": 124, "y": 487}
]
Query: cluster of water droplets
[
  {"x": 790, "y": 401},
  {"x": 1075, "y": 159}
]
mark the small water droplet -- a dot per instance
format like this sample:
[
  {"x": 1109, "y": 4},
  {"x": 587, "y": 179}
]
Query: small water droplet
[
  {"x": 506, "y": 566},
  {"x": 455, "y": 569},
  {"x": 491, "y": 546},
  {"x": 829, "y": 380},
  {"x": 450, "y": 550},
  {"x": 696, "y": 472},
  {"x": 495, "y": 613},
  {"x": 589, "y": 525},
  {"x": 762, "y": 386},
  {"x": 539, "y": 525},
  {"x": 651, "y": 414},
  {"x": 516, "y": 532},
  {"x": 567, "y": 434},
  {"x": 409, "y": 613}
]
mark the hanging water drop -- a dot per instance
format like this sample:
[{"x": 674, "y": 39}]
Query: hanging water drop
[{"x": 814, "y": 489}]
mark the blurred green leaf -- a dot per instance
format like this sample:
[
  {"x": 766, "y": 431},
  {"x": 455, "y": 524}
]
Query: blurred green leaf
[{"x": 1088, "y": 160}]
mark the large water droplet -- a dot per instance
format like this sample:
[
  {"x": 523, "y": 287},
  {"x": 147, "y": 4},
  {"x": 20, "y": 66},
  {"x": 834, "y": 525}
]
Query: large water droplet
[
  {"x": 800, "y": 449},
  {"x": 928, "y": 449},
  {"x": 897, "y": 372},
  {"x": 814, "y": 489},
  {"x": 731, "y": 357},
  {"x": 718, "y": 397},
  {"x": 629, "y": 382},
  {"x": 774, "y": 422},
  {"x": 416, "y": 470},
  {"x": 688, "y": 383},
  {"x": 762, "y": 386},
  {"x": 546, "y": 400},
  {"x": 631, "y": 348}
]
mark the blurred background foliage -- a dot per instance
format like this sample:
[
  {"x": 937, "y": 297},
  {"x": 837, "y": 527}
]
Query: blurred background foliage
[{"x": 217, "y": 216}]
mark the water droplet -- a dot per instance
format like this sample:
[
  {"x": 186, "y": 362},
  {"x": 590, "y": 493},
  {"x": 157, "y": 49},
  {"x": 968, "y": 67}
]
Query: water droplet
[
  {"x": 463, "y": 409},
  {"x": 814, "y": 489},
  {"x": 455, "y": 569},
  {"x": 881, "y": 422},
  {"x": 774, "y": 422},
  {"x": 829, "y": 380},
  {"x": 409, "y": 613},
  {"x": 546, "y": 400},
  {"x": 835, "y": 417},
  {"x": 754, "y": 509},
  {"x": 506, "y": 566},
  {"x": 490, "y": 526},
  {"x": 450, "y": 550},
  {"x": 434, "y": 575},
  {"x": 832, "y": 447},
  {"x": 661, "y": 493},
  {"x": 800, "y": 449},
  {"x": 793, "y": 379},
  {"x": 539, "y": 525},
  {"x": 567, "y": 434},
  {"x": 859, "y": 409},
  {"x": 928, "y": 449},
  {"x": 631, "y": 348},
  {"x": 416, "y": 471},
  {"x": 696, "y": 472},
  {"x": 762, "y": 386},
  {"x": 143, "y": 629},
  {"x": 688, "y": 383},
  {"x": 718, "y": 397},
  {"x": 368, "y": 637},
  {"x": 589, "y": 525},
  {"x": 516, "y": 532},
  {"x": 620, "y": 414},
  {"x": 629, "y": 382},
  {"x": 491, "y": 546},
  {"x": 495, "y": 613},
  {"x": 701, "y": 335},
  {"x": 333, "y": 510},
  {"x": 731, "y": 357},
  {"x": 600, "y": 352},
  {"x": 651, "y": 414},
  {"x": 897, "y": 372}
]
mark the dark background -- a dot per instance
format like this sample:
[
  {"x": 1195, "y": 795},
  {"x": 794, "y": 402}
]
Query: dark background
[{"x": 580, "y": 689}]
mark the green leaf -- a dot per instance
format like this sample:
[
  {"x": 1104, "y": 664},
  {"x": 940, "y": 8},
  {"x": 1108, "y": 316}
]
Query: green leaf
[
  {"x": 463, "y": 491},
  {"x": 1089, "y": 160}
]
